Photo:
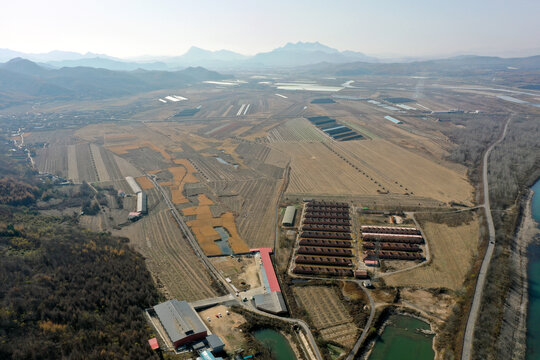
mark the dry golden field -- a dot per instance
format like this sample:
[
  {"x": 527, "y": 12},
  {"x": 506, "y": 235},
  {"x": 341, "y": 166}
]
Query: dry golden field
[
  {"x": 452, "y": 250},
  {"x": 204, "y": 224}
]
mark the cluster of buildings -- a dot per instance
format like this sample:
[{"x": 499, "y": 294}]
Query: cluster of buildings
[
  {"x": 271, "y": 300},
  {"x": 325, "y": 245},
  {"x": 142, "y": 207},
  {"x": 179, "y": 323}
]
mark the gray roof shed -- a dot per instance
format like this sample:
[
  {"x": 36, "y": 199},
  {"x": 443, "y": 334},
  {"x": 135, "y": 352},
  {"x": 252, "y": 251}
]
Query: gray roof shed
[
  {"x": 179, "y": 319},
  {"x": 288, "y": 218}
]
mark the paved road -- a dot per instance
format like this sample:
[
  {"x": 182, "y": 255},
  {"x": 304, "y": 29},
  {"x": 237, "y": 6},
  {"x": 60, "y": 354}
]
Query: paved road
[
  {"x": 477, "y": 299},
  {"x": 206, "y": 303},
  {"x": 219, "y": 277},
  {"x": 362, "y": 337}
]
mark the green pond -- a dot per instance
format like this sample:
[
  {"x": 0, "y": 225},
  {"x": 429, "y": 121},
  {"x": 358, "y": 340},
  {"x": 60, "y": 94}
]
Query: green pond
[
  {"x": 276, "y": 343},
  {"x": 401, "y": 340},
  {"x": 533, "y": 269}
]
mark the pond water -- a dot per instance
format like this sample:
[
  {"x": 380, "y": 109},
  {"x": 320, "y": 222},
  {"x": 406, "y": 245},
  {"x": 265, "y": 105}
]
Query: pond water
[
  {"x": 224, "y": 242},
  {"x": 402, "y": 340},
  {"x": 276, "y": 343},
  {"x": 225, "y": 162}
]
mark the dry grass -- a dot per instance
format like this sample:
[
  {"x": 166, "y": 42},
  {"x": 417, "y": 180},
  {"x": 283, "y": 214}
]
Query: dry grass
[
  {"x": 452, "y": 250},
  {"x": 388, "y": 163},
  {"x": 125, "y": 148},
  {"x": 314, "y": 168},
  {"x": 203, "y": 228},
  {"x": 181, "y": 176},
  {"x": 144, "y": 182},
  {"x": 204, "y": 200},
  {"x": 119, "y": 137}
]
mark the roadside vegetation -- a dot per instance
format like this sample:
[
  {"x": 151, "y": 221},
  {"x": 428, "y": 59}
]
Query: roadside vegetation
[{"x": 514, "y": 165}]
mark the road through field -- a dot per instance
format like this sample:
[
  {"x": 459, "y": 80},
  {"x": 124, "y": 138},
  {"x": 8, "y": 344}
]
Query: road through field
[{"x": 477, "y": 299}]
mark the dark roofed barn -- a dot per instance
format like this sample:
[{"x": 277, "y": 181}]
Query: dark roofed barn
[{"x": 181, "y": 322}]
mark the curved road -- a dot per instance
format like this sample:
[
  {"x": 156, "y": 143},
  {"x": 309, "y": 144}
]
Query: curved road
[{"x": 477, "y": 299}]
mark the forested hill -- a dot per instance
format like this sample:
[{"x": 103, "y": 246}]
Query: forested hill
[
  {"x": 69, "y": 293},
  {"x": 24, "y": 79},
  {"x": 66, "y": 292}
]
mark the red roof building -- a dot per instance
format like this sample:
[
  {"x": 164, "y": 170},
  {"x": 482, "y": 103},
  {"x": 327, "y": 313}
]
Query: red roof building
[
  {"x": 268, "y": 268},
  {"x": 153, "y": 343}
]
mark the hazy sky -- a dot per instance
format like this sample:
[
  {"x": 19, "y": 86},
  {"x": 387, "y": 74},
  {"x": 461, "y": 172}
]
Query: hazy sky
[{"x": 169, "y": 27}]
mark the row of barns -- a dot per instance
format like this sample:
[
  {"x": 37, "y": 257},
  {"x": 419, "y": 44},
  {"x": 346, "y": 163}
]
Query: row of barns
[
  {"x": 333, "y": 129},
  {"x": 325, "y": 241},
  {"x": 392, "y": 243}
]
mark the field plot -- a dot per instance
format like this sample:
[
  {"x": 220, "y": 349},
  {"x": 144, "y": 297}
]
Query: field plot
[
  {"x": 296, "y": 130},
  {"x": 53, "y": 159},
  {"x": 101, "y": 168},
  {"x": 124, "y": 166},
  {"x": 452, "y": 250},
  {"x": 327, "y": 313},
  {"x": 85, "y": 163},
  {"x": 181, "y": 175},
  {"x": 254, "y": 202},
  {"x": 175, "y": 267},
  {"x": 204, "y": 224},
  {"x": 144, "y": 182},
  {"x": 314, "y": 168},
  {"x": 389, "y": 163}
]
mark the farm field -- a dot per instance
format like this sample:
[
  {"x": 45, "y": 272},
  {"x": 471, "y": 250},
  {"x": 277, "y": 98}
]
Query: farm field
[
  {"x": 452, "y": 249},
  {"x": 204, "y": 224},
  {"x": 314, "y": 168},
  {"x": 176, "y": 269},
  {"x": 224, "y": 167},
  {"x": 327, "y": 313},
  {"x": 376, "y": 166}
]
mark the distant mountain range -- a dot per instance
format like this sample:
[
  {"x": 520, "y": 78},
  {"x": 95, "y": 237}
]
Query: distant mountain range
[
  {"x": 290, "y": 55},
  {"x": 24, "y": 79},
  {"x": 455, "y": 66}
]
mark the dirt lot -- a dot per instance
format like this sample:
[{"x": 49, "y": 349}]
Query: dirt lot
[
  {"x": 226, "y": 327},
  {"x": 244, "y": 274},
  {"x": 436, "y": 305}
]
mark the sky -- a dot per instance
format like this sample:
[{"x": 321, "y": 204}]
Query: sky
[{"x": 416, "y": 28}]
